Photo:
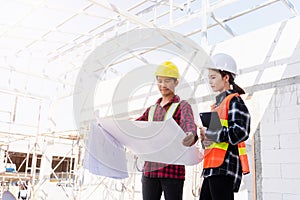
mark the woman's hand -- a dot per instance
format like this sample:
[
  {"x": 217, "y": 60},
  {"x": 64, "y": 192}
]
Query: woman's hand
[
  {"x": 202, "y": 133},
  {"x": 204, "y": 140}
]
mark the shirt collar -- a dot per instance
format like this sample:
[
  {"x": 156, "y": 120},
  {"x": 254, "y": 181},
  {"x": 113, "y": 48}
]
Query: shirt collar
[
  {"x": 175, "y": 99},
  {"x": 222, "y": 96}
]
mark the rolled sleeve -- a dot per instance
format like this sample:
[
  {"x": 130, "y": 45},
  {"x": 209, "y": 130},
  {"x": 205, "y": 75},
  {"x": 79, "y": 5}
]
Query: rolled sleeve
[
  {"x": 144, "y": 116},
  {"x": 187, "y": 118}
]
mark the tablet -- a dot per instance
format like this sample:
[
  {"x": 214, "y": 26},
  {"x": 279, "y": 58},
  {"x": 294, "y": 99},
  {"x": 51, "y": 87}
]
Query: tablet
[{"x": 211, "y": 120}]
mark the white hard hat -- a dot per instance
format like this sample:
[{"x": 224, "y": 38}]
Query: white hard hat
[{"x": 224, "y": 62}]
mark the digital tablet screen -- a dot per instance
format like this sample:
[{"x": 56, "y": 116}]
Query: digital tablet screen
[{"x": 210, "y": 120}]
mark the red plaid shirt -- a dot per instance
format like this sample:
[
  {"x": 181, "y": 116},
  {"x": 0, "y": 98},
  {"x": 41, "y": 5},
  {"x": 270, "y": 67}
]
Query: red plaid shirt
[{"x": 185, "y": 119}]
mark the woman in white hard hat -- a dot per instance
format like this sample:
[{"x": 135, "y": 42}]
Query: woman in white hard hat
[
  {"x": 159, "y": 177},
  {"x": 225, "y": 158}
]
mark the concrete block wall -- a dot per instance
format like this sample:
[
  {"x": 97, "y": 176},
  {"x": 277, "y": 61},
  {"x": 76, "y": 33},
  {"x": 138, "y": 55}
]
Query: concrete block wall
[
  {"x": 280, "y": 145},
  {"x": 279, "y": 134}
]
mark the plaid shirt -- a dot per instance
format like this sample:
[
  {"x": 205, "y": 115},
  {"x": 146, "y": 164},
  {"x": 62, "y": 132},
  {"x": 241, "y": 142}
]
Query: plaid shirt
[
  {"x": 185, "y": 119},
  {"x": 238, "y": 131}
]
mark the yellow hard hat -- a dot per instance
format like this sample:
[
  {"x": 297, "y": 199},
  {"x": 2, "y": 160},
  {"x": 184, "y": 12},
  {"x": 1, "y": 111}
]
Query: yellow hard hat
[{"x": 167, "y": 69}]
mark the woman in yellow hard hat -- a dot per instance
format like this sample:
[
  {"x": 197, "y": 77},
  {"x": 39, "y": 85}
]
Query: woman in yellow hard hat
[{"x": 159, "y": 177}]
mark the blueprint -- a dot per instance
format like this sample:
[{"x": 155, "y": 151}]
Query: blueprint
[
  {"x": 104, "y": 155},
  {"x": 154, "y": 141}
]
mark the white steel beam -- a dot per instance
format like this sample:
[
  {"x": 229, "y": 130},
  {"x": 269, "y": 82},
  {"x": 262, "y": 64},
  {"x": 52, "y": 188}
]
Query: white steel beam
[
  {"x": 223, "y": 25},
  {"x": 205, "y": 6},
  {"x": 133, "y": 18},
  {"x": 290, "y": 6}
]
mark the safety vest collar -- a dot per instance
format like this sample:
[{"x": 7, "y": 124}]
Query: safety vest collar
[
  {"x": 175, "y": 99},
  {"x": 223, "y": 95},
  {"x": 169, "y": 114}
]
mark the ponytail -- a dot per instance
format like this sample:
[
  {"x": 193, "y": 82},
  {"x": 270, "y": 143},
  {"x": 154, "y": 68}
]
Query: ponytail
[{"x": 235, "y": 87}]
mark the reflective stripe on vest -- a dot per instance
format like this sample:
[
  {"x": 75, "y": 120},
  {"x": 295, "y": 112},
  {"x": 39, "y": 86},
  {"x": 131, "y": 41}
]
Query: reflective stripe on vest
[
  {"x": 244, "y": 158},
  {"x": 224, "y": 122},
  {"x": 169, "y": 114},
  {"x": 214, "y": 155}
]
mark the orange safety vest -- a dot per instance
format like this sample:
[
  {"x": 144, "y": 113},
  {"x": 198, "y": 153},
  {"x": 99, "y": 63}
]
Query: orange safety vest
[{"x": 215, "y": 153}]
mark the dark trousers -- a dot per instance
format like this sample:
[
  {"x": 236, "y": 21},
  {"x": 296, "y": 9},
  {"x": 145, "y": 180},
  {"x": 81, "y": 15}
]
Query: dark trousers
[
  {"x": 152, "y": 188},
  {"x": 217, "y": 188}
]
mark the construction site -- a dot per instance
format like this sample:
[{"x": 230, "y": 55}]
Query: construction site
[{"x": 66, "y": 63}]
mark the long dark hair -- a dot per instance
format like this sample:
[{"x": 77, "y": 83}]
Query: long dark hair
[{"x": 235, "y": 87}]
